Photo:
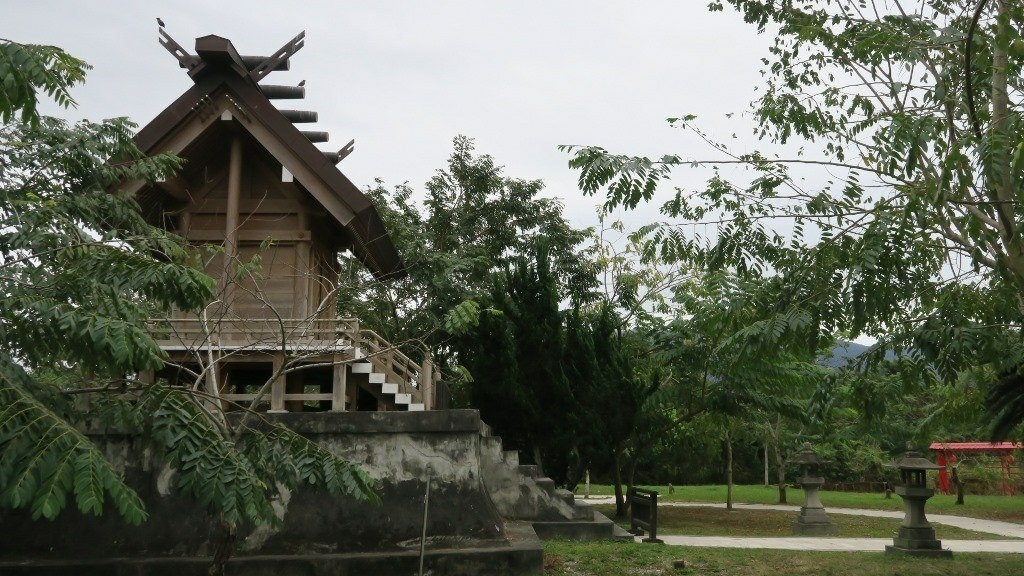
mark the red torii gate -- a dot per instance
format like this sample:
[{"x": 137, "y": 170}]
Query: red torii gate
[{"x": 946, "y": 453}]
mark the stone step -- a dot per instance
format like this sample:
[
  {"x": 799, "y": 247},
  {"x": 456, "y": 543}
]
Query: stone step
[
  {"x": 600, "y": 528},
  {"x": 582, "y": 512},
  {"x": 566, "y": 495},
  {"x": 528, "y": 470},
  {"x": 403, "y": 398},
  {"x": 416, "y": 407},
  {"x": 490, "y": 450},
  {"x": 376, "y": 378},
  {"x": 511, "y": 457},
  {"x": 389, "y": 388},
  {"x": 362, "y": 368},
  {"x": 546, "y": 484}
]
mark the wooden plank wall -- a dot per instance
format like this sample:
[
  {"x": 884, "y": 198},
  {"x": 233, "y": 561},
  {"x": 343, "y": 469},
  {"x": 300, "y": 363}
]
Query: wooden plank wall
[{"x": 279, "y": 222}]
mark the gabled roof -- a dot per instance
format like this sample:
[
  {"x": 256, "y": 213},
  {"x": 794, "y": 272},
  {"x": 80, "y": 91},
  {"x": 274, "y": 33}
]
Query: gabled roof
[
  {"x": 975, "y": 446},
  {"x": 226, "y": 83}
]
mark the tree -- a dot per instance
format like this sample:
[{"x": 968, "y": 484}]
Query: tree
[
  {"x": 515, "y": 358},
  {"x": 614, "y": 385},
  {"x": 474, "y": 222},
  {"x": 722, "y": 356},
  {"x": 80, "y": 273},
  {"x": 559, "y": 385},
  {"x": 77, "y": 281},
  {"x": 911, "y": 235}
]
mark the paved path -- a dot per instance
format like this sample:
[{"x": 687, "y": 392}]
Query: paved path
[
  {"x": 1008, "y": 529},
  {"x": 836, "y": 544}
]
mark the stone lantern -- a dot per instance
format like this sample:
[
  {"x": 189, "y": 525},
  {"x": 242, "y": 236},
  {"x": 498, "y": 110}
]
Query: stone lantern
[
  {"x": 916, "y": 536},
  {"x": 812, "y": 521}
]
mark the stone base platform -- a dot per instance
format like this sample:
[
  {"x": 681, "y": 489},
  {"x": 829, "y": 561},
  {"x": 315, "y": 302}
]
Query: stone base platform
[
  {"x": 806, "y": 529},
  {"x": 813, "y": 522},
  {"x": 920, "y": 552},
  {"x": 318, "y": 534},
  {"x": 522, "y": 556},
  {"x": 918, "y": 541}
]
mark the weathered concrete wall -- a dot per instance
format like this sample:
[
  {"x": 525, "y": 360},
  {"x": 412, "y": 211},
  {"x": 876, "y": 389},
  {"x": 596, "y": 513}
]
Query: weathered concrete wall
[{"x": 396, "y": 448}]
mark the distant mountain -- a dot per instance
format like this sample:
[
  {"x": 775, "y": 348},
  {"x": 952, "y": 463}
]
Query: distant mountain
[{"x": 844, "y": 351}]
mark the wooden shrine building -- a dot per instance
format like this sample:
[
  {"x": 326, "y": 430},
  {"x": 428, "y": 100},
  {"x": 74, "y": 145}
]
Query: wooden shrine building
[{"x": 270, "y": 213}]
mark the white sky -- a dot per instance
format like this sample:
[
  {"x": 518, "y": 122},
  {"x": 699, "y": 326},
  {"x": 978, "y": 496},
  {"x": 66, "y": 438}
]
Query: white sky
[{"x": 403, "y": 78}]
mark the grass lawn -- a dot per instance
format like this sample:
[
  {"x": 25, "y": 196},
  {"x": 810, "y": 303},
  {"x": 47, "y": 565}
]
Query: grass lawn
[
  {"x": 699, "y": 521},
  {"x": 626, "y": 558},
  {"x": 1009, "y": 508}
]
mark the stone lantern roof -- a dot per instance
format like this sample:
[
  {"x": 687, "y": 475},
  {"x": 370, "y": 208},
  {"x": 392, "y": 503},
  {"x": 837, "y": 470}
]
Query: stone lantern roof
[
  {"x": 913, "y": 461},
  {"x": 913, "y": 471},
  {"x": 807, "y": 457}
]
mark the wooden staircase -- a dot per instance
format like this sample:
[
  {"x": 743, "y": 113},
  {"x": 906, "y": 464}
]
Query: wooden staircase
[{"x": 376, "y": 371}]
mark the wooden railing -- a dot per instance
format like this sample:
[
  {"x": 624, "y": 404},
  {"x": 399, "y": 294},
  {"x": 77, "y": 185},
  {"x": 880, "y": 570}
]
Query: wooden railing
[
  {"x": 335, "y": 338},
  {"x": 254, "y": 333}
]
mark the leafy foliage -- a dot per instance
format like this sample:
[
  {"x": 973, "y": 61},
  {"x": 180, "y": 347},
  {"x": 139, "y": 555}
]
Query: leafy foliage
[
  {"x": 473, "y": 223},
  {"x": 27, "y": 68},
  {"x": 909, "y": 232},
  {"x": 81, "y": 271},
  {"x": 47, "y": 460}
]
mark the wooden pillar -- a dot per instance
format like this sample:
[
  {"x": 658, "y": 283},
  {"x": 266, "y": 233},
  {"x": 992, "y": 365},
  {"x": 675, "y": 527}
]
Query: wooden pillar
[
  {"x": 277, "y": 386},
  {"x": 232, "y": 218},
  {"x": 302, "y": 284},
  {"x": 340, "y": 383},
  {"x": 295, "y": 384},
  {"x": 427, "y": 382},
  {"x": 185, "y": 223},
  {"x": 357, "y": 338},
  {"x": 433, "y": 386}
]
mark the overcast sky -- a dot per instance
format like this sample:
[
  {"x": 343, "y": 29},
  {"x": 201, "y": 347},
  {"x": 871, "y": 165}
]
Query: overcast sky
[{"x": 403, "y": 78}]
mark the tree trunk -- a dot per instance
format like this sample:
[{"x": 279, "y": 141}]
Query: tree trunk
[
  {"x": 536, "y": 460},
  {"x": 1001, "y": 181},
  {"x": 620, "y": 502},
  {"x": 224, "y": 543},
  {"x": 576, "y": 474},
  {"x": 776, "y": 434},
  {"x": 765, "y": 463},
  {"x": 959, "y": 487},
  {"x": 780, "y": 464},
  {"x": 630, "y": 479},
  {"x": 728, "y": 470}
]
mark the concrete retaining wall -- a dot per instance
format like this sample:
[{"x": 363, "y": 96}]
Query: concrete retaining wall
[{"x": 393, "y": 447}]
